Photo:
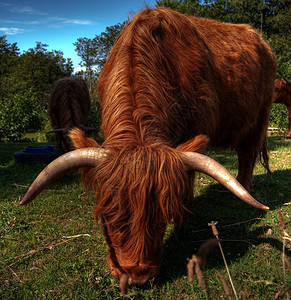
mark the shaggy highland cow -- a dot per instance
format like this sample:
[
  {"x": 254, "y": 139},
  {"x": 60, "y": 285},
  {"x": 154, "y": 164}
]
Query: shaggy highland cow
[
  {"x": 69, "y": 106},
  {"x": 170, "y": 84},
  {"x": 283, "y": 95}
]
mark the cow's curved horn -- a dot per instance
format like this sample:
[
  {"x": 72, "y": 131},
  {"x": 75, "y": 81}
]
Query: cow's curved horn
[
  {"x": 80, "y": 158},
  {"x": 202, "y": 163}
]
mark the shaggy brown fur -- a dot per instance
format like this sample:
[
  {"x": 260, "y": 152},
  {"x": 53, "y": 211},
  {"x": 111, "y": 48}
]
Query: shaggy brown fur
[
  {"x": 283, "y": 95},
  {"x": 168, "y": 79},
  {"x": 69, "y": 106}
]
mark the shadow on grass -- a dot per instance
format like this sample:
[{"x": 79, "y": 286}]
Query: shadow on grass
[{"x": 235, "y": 219}]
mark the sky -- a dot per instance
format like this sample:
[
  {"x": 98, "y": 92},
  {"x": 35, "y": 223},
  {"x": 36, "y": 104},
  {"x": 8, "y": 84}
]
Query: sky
[{"x": 59, "y": 23}]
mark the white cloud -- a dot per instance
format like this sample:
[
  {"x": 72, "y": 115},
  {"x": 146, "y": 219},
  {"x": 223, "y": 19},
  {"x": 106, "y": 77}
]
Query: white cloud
[
  {"x": 70, "y": 21},
  {"x": 32, "y": 22},
  {"x": 21, "y": 9},
  {"x": 11, "y": 30},
  {"x": 13, "y": 12}
]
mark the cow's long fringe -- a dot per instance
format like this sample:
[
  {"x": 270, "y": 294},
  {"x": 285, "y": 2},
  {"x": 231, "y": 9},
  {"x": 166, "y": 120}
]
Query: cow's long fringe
[{"x": 139, "y": 191}]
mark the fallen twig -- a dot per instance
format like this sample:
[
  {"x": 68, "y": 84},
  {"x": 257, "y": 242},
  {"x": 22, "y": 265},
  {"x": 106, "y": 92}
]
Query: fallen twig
[
  {"x": 19, "y": 185},
  {"x": 266, "y": 282},
  {"x": 76, "y": 236},
  {"x": 15, "y": 274},
  {"x": 282, "y": 293},
  {"x": 47, "y": 246}
]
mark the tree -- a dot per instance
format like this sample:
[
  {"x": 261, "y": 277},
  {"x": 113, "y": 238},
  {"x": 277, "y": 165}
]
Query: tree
[
  {"x": 105, "y": 42},
  {"x": 94, "y": 52},
  {"x": 8, "y": 55},
  {"x": 280, "y": 38},
  {"x": 189, "y": 7},
  {"x": 87, "y": 50},
  {"x": 36, "y": 70},
  {"x": 25, "y": 84}
]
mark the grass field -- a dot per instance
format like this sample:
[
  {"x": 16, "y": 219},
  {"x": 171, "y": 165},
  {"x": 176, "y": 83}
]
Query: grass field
[{"x": 53, "y": 249}]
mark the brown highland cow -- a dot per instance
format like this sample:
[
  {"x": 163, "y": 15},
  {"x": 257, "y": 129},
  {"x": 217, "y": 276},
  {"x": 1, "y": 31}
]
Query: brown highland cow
[
  {"x": 69, "y": 106},
  {"x": 169, "y": 81}
]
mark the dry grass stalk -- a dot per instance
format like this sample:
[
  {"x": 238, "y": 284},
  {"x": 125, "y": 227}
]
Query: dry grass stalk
[
  {"x": 215, "y": 233},
  {"x": 194, "y": 266},
  {"x": 286, "y": 236},
  {"x": 281, "y": 219},
  {"x": 288, "y": 264},
  {"x": 224, "y": 285},
  {"x": 197, "y": 263},
  {"x": 281, "y": 294},
  {"x": 199, "y": 275},
  {"x": 266, "y": 282},
  {"x": 190, "y": 270},
  {"x": 123, "y": 283},
  {"x": 15, "y": 274}
]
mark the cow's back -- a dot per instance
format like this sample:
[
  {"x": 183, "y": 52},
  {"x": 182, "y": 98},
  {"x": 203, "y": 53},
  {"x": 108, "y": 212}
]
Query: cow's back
[{"x": 172, "y": 77}]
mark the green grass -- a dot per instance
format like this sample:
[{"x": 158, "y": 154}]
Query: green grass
[{"x": 38, "y": 260}]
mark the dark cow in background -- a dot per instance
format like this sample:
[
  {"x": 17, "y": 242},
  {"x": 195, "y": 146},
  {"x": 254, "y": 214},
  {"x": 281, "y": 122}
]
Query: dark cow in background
[
  {"x": 283, "y": 95},
  {"x": 69, "y": 106},
  {"x": 170, "y": 84}
]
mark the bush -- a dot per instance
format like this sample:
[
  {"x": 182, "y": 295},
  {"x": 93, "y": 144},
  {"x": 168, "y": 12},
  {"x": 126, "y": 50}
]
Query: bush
[
  {"x": 279, "y": 116},
  {"x": 18, "y": 114},
  {"x": 94, "y": 118}
]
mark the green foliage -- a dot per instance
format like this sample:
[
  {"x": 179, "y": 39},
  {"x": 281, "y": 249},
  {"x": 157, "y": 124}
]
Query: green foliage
[
  {"x": 25, "y": 83},
  {"x": 105, "y": 41},
  {"x": 94, "y": 52},
  {"x": 37, "y": 70},
  {"x": 8, "y": 55},
  {"x": 279, "y": 116},
  {"x": 34, "y": 71},
  {"x": 94, "y": 119},
  {"x": 87, "y": 51},
  {"x": 18, "y": 114}
]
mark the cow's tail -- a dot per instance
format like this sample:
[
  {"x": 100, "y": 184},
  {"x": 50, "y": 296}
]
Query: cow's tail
[
  {"x": 79, "y": 140},
  {"x": 264, "y": 157}
]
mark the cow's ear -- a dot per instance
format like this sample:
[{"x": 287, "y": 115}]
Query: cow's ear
[
  {"x": 197, "y": 144},
  {"x": 79, "y": 139}
]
